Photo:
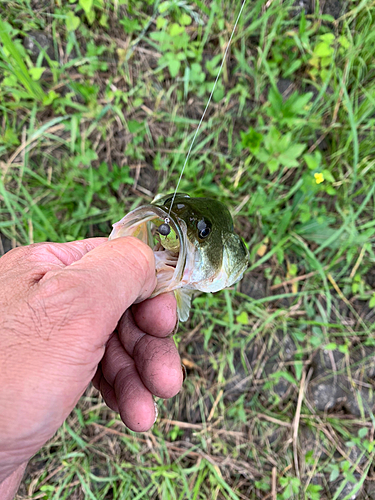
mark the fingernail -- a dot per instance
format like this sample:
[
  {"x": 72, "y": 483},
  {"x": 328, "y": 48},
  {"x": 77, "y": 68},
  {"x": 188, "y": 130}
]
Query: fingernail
[
  {"x": 184, "y": 372},
  {"x": 156, "y": 411}
]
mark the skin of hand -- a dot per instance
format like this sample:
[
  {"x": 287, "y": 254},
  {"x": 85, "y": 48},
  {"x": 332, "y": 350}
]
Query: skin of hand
[{"x": 70, "y": 313}]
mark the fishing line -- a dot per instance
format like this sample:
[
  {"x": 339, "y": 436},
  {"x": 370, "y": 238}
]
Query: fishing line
[{"x": 166, "y": 228}]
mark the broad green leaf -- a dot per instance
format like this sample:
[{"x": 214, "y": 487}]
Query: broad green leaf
[
  {"x": 185, "y": 19},
  {"x": 176, "y": 30},
  {"x": 300, "y": 103},
  {"x": 71, "y": 21},
  {"x": 36, "y": 73},
  {"x": 134, "y": 126},
  {"x": 327, "y": 37},
  {"x": 323, "y": 50},
  {"x": 196, "y": 73},
  {"x": 163, "y": 7},
  {"x": 90, "y": 16},
  {"x": 362, "y": 432},
  {"x": 50, "y": 97},
  {"x": 328, "y": 176},
  {"x": 293, "y": 68},
  {"x": 160, "y": 22},
  {"x": 331, "y": 346},
  {"x": 334, "y": 474},
  {"x": 325, "y": 62},
  {"x": 283, "y": 143},
  {"x": 243, "y": 318},
  {"x": 275, "y": 99},
  {"x": 289, "y": 157},
  {"x": 174, "y": 67},
  {"x": 130, "y": 25},
  {"x": 252, "y": 140},
  {"x": 273, "y": 165},
  {"x": 344, "y": 42},
  {"x": 218, "y": 94},
  {"x": 103, "y": 21},
  {"x": 86, "y": 5},
  {"x": 160, "y": 36},
  {"x": 263, "y": 156},
  {"x": 313, "y": 160}
]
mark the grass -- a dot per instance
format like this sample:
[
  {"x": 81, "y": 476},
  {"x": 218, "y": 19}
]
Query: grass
[{"x": 99, "y": 120}]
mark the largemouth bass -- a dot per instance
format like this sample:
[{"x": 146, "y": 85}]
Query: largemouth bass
[{"x": 201, "y": 251}]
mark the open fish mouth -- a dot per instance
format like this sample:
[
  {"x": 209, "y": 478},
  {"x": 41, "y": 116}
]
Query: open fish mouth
[{"x": 170, "y": 251}]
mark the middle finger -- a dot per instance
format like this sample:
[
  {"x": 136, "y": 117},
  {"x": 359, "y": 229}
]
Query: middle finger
[{"x": 157, "y": 360}]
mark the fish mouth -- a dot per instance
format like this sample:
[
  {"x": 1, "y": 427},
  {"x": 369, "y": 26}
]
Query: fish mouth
[{"x": 170, "y": 264}]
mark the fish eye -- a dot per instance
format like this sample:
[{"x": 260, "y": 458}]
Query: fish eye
[{"x": 204, "y": 228}]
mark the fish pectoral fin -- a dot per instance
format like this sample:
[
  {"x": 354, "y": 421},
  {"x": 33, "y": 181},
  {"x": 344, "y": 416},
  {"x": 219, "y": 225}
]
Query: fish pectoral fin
[{"x": 183, "y": 299}]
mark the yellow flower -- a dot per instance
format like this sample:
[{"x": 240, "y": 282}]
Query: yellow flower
[{"x": 319, "y": 178}]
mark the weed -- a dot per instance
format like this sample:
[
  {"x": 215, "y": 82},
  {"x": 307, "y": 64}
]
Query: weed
[{"x": 288, "y": 146}]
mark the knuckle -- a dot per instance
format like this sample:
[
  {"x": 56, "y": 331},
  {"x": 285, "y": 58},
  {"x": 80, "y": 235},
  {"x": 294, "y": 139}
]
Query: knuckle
[{"x": 19, "y": 254}]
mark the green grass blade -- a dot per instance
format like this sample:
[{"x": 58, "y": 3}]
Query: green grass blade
[{"x": 20, "y": 69}]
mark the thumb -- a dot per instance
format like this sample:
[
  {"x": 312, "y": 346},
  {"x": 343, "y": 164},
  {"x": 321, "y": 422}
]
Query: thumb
[{"x": 92, "y": 293}]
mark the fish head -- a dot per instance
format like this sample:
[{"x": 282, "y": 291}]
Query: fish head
[
  {"x": 216, "y": 256},
  {"x": 200, "y": 252}
]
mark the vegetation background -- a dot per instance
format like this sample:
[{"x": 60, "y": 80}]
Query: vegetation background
[{"x": 99, "y": 101}]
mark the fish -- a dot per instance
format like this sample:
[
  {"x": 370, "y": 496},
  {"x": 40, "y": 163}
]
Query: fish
[{"x": 199, "y": 251}]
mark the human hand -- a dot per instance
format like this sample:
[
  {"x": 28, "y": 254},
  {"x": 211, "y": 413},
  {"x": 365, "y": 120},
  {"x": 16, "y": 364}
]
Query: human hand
[{"x": 65, "y": 310}]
